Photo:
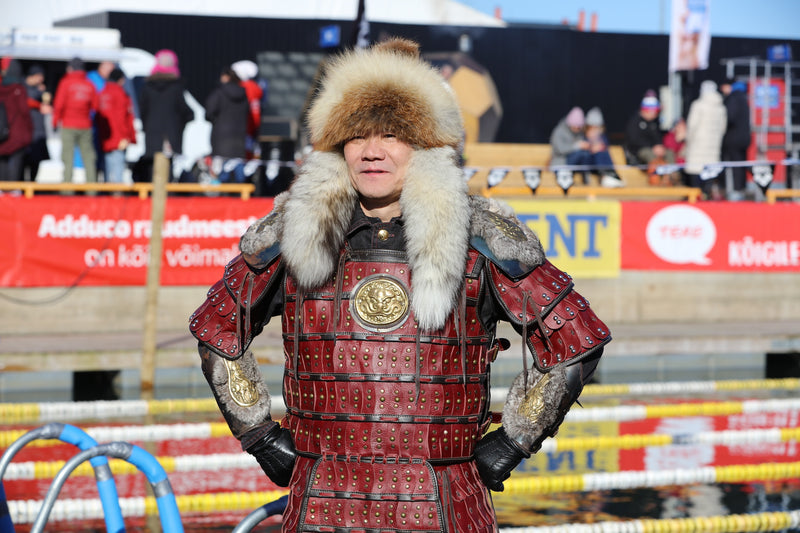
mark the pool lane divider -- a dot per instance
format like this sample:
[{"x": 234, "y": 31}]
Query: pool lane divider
[{"x": 738, "y": 523}]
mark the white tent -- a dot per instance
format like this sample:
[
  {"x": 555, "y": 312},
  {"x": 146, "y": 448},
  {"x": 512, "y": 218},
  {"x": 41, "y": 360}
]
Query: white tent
[{"x": 43, "y": 13}]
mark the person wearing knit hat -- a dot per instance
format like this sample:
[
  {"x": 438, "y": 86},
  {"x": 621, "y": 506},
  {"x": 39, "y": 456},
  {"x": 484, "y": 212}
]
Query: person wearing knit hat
[
  {"x": 390, "y": 278},
  {"x": 705, "y": 127},
  {"x": 164, "y": 112},
  {"x": 570, "y": 145},
  {"x": 643, "y": 136},
  {"x": 737, "y": 138},
  {"x": 166, "y": 63}
]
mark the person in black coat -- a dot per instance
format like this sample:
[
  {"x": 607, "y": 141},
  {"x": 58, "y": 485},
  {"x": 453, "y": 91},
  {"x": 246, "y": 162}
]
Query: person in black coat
[
  {"x": 227, "y": 109},
  {"x": 643, "y": 135},
  {"x": 163, "y": 109},
  {"x": 737, "y": 134}
]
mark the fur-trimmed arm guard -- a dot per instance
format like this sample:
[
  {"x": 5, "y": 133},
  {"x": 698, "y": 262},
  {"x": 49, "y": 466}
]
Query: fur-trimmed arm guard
[
  {"x": 234, "y": 312},
  {"x": 566, "y": 339},
  {"x": 245, "y": 402}
]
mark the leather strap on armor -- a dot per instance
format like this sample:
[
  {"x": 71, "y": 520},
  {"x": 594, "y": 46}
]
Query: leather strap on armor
[
  {"x": 556, "y": 321},
  {"x": 231, "y": 315}
]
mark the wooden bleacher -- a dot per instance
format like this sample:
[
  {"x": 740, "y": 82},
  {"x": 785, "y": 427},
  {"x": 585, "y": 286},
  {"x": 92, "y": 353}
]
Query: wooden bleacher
[
  {"x": 773, "y": 194},
  {"x": 143, "y": 190},
  {"x": 515, "y": 156}
]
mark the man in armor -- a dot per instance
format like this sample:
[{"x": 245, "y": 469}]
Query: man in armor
[{"x": 390, "y": 280}]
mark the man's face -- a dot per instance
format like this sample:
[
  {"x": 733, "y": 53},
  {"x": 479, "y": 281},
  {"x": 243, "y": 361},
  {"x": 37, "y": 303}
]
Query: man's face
[{"x": 377, "y": 165}]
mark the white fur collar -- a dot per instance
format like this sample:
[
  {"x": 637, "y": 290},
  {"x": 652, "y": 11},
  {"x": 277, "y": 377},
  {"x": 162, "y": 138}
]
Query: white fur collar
[{"x": 310, "y": 221}]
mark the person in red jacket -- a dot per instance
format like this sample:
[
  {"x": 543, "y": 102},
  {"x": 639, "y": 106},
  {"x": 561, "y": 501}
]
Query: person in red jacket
[
  {"x": 247, "y": 71},
  {"x": 75, "y": 101},
  {"x": 16, "y": 131},
  {"x": 114, "y": 122}
]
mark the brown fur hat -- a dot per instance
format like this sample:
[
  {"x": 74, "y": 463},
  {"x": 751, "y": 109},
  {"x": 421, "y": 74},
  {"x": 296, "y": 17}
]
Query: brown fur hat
[{"x": 386, "y": 88}]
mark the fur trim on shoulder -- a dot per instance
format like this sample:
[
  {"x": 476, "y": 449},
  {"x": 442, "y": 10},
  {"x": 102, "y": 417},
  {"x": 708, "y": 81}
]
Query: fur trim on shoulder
[
  {"x": 316, "y": 216},
  {"x": 266, "y": 231},
  {"x": 436, "y": 210},
  {"x": 507, "y": 237}
]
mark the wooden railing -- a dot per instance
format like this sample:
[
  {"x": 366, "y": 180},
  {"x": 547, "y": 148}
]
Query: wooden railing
[
  {"x": 692, "y": 194},
  {"x": 773, "y": 194},
  {"x": 143, "y": 190}
]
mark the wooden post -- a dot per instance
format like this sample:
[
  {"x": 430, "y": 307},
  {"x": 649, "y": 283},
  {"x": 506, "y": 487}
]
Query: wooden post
[{"x": 157, "y": 204}]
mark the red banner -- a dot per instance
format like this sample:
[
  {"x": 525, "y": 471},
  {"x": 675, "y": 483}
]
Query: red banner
[
  {"x": 682, "y": 456},
  {"x": 711, "y": 236},
  {"x": 62, "y": 241}
]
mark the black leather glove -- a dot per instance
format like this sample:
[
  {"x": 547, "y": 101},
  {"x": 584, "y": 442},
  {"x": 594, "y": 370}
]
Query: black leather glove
[
  {"x": 274, "y": 450},
  {"x": 496, "y": 455}
]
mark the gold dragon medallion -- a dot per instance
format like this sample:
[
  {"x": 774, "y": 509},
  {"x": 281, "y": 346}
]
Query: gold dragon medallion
[
  {"x": 242, "y": 390},
  {"x": 380, "y": 303}
]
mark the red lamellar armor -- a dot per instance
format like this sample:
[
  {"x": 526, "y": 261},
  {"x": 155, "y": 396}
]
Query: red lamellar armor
[{"x": 384, "y": 417}]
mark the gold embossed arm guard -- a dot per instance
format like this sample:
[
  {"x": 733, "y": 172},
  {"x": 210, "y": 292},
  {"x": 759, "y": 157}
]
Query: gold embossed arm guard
[
  {"x": 244, "y": 401},
  {"x": 239, "y": 390},
  {"x": 537, "y": 403}
]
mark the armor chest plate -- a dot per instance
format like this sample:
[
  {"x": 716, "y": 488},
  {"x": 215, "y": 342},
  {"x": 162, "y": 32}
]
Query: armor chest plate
[{"x": 362, "y": 380}]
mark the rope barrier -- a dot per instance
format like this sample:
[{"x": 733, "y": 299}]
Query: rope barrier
[
  {"x": 12, "y": 413},
  {"x": 25, "y": 511},
  {"x": 137, "y": 433},
  {"x": 687, "y": 387},
  {"x": 185, "y": 463},
  {"x": 738, "y": 523},
  {"x": 651, "y": 478},
  {"x": 68, "y": 411}
]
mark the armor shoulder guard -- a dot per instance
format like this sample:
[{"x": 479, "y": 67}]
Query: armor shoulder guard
[
  {"x": 503, "y": 239},
  {"x": 559, "y": 326},
  {"x": 232, "y": 314}
]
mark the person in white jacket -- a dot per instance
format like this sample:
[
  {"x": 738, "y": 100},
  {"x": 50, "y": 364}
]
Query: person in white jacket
[{"x": 705, "y": 126}]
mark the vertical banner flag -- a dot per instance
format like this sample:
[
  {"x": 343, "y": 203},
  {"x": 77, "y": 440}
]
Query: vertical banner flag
[
  {"x": 361, "y": 38},
  {"x": 690, "y": 35}
]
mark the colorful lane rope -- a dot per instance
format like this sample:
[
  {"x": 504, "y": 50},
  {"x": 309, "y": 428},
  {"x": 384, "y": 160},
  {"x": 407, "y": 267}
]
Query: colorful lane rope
[
  {"x": 25, "y": 512},
  {"x": 69, "y": 411}
]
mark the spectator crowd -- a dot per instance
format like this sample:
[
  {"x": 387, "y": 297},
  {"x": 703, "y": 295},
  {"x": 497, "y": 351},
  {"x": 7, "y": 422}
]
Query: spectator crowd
[{"x": 93, "y": 115}]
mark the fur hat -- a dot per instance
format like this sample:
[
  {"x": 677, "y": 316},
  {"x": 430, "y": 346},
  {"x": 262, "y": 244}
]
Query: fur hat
[{"x": 385, "y": 88}]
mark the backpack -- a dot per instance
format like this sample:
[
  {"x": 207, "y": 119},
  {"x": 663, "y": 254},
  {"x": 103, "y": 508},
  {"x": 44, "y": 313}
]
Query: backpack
[{"x": 5, "y": 130}]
